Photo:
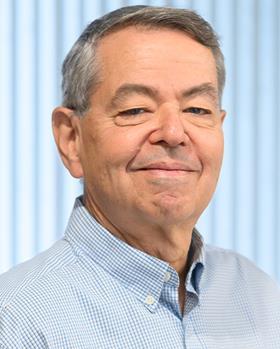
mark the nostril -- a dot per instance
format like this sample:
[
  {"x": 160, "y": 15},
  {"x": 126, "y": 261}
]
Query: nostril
[
  {"x": 167, "y": 140},
  {"x": 169, "y": 135},
  {"x": 169, "y": 128}
]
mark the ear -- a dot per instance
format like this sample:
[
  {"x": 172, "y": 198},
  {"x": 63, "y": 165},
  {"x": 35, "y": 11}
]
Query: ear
[
  {"x": 223, "y": 114},
  {"x": 67, "y": 135}
]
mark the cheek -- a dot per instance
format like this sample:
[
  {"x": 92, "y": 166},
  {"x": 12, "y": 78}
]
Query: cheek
[
  {"x": 119, "y": 145},
  {"x": 210, "y": 151},
  {"x": 111, "y": 150}
]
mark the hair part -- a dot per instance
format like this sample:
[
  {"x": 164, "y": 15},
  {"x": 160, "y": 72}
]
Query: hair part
[{"x": 80, "y": 68}]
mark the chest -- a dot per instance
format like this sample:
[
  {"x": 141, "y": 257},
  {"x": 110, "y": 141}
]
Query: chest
[{"x": 131, "y": 325}]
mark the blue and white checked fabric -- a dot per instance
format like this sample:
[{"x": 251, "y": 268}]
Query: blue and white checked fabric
[{"x": 92, "y": 290}]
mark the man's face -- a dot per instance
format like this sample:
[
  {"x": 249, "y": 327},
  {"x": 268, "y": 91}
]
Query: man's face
[{"x": 152, "y": 144}]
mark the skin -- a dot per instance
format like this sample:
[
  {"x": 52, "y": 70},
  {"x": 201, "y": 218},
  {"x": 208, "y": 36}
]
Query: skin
[{"x": 150, "y": 148}]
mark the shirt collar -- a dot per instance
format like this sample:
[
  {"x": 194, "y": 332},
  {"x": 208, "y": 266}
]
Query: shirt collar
[{"x": 143, "y": 274}]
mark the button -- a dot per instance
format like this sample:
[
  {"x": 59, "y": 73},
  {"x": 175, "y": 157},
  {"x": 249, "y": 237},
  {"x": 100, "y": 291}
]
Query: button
[
  {"x": 150, "y": 300},
  {"x": 167, "y": 276}
]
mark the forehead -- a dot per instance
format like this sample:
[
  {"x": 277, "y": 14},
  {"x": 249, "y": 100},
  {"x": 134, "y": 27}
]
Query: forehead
[
  {"x": 161, "y": 55},
  {"x": 148, "y": 40}
]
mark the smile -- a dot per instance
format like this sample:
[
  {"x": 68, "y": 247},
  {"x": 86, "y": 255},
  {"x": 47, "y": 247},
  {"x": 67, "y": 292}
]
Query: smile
[
  {"x": 160, "y": 172},
  {"x": 169, "y": 169}
]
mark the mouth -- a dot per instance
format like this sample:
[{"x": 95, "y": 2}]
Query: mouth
[
  {"x": 165, "y": 169},
  {"x": 165, "y": 172}
]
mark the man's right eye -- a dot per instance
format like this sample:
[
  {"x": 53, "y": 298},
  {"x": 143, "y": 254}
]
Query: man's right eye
[
  {"x": 133, "y": 112},
  {"x": 133, "y": 116}
]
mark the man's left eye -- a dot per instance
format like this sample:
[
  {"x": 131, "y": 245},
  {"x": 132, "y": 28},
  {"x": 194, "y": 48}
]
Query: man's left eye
[{"x": 197, "y": 111}]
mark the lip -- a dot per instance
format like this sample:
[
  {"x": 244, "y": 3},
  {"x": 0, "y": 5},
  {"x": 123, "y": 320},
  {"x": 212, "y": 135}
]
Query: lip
[{"x": 168, "y": 167}]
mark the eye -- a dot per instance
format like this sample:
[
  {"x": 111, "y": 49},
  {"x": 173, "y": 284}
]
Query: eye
[
  {"x": 197, "y": 111},
  {"x": 133, "y": 116},
  {"x": 133, "y": 112}
]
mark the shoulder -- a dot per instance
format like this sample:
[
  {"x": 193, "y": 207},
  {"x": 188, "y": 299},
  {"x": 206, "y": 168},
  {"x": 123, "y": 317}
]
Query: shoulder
[
  {"x": 233, "y": 275},
  {"x": 26, "y": 292},
  {"x": 25, "y": 277},
  {"x": 235, "y": 265}
]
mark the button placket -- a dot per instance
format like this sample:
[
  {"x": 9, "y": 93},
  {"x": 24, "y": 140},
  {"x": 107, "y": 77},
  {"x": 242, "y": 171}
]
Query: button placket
[{"x": 167, "y": 276}]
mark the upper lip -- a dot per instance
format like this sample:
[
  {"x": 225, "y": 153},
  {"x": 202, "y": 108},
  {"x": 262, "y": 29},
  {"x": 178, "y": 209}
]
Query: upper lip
[{"x": 168, "y": 166}]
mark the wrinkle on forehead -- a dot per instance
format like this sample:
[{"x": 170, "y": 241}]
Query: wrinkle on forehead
[{"x": 127, "y": 89}]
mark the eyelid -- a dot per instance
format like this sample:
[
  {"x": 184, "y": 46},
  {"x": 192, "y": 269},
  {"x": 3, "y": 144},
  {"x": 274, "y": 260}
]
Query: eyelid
[
  {"x": 205, "y": 111},
  {"x": 130, "y": 111},
  {"x": 132, "y": 116}
]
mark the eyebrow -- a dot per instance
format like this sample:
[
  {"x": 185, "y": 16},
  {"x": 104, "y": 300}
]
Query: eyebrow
[
  {"x": 127, "y": 89},
  {"x": 204, "y": 89}
]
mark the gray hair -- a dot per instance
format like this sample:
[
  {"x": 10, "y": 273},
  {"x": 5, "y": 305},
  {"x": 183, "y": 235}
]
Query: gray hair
[{"x": 80, "y": 67}]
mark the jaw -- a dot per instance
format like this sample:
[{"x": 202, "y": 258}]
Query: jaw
[{"x": 151, "y": 202}]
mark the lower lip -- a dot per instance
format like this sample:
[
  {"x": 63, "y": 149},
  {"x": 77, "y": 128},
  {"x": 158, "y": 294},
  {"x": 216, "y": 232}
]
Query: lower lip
[{"x": 167, "y": 173}]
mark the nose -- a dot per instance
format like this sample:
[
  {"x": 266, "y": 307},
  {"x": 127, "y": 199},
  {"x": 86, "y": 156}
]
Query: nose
[{"x": 170, "y": 130}]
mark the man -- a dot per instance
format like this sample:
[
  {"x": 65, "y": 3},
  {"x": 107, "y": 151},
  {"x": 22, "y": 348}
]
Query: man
[{"x": 141, "y": 123}]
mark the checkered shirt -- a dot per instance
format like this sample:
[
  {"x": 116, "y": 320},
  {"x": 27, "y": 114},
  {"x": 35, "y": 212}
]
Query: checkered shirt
[{"x": 92, "y": 290}]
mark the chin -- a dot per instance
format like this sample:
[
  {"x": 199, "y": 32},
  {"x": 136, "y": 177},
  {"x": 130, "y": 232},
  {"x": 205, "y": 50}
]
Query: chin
[{"x": 173, "y": 211}]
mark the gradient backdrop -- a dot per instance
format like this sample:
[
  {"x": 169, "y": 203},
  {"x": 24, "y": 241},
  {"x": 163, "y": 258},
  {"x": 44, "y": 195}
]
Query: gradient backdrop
[{"x": 37, "y": 193}]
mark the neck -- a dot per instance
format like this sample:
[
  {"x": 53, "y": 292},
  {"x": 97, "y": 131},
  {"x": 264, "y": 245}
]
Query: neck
[
  {"x": 168, "y": 242},
  {"x": 169, "y": 245}
]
